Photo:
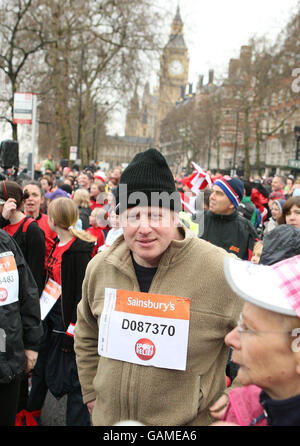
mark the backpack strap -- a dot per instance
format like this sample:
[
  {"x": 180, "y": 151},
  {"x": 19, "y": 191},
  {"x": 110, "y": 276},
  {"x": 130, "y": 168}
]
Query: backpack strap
[{"x": 23, "y": 227}]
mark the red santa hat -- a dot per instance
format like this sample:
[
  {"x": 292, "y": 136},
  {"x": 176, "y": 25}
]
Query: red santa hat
[{"x": 99, "y": 175}]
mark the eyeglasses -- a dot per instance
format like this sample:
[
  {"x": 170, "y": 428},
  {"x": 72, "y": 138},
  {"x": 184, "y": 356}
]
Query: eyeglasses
[{"x": 242, "y": 328}]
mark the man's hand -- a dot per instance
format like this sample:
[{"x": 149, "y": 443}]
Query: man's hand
[
  {"x": 90, "y": 406},
  {"x": 218, "y": 409},
  {"x": 31, "y": 358}
]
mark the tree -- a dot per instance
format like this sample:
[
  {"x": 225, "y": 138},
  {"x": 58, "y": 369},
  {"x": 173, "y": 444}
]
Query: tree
[
  {"x": 84, "y": 53},
  {"x": 193, "y": 129},
  {"x": 208, "y": 124},
  {"x": 103, "y": 52},
  {"x": 271, "y": 83},
  {"x": 22, "y": 34},
  {"x": 255, "y": 88}
]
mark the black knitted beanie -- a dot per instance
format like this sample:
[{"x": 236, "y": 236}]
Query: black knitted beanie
[{"x": 149, "y": 174}]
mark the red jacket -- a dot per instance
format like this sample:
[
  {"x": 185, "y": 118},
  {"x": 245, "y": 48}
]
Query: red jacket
[
  {"x": 97, "y": 232},
  {"x": 50, "y": 236}
]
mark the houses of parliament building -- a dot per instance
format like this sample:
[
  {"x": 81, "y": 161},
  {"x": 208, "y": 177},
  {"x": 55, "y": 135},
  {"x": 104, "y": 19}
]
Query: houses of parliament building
[{"x": 144, "y": 115}]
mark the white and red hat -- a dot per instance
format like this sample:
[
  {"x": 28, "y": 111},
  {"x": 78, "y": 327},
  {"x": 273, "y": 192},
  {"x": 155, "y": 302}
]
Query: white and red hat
[
  {"x": 275, "y": 288},
  {"x": 99, "y": 175}
]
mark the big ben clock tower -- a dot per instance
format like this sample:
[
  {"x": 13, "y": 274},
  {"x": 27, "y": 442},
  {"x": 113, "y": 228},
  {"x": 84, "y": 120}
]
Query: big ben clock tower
[{"x": 174, "y": 67}]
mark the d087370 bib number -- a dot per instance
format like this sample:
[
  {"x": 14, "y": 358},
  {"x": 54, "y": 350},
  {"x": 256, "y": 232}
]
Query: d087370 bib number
[
  {"x": 148, "y": 327},
  {"x": 144, "y": 328}
]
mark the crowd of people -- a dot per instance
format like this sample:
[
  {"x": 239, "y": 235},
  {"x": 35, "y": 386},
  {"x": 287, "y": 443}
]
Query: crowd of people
[{"x": 70, "y": 236}]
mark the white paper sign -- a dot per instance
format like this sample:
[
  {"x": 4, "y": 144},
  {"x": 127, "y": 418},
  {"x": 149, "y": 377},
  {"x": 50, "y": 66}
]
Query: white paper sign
[
  {"x": 145, "y": 328},
  {"x": 9, "y": 279},
  {"x": 23, "y": 107},
  {"x": 50, "y": 294},
  {"x": 73, "y": 153}
]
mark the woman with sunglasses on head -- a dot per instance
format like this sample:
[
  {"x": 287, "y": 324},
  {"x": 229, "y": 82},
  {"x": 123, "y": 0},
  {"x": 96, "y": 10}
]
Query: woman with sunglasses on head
[
  {"x": 23, "y": 229},
  {"x": 66, "y": 265}
]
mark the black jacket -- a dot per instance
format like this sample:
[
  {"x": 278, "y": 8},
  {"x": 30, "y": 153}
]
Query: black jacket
[
  {"x": 33, "y": 246},
  {"x": 73, "y": 265},
  {"x": 20, "y": 321},
  {"x": 281, "y": 412},
  {"x": 231, "y": 232},
  {"x": 279, "y": 244},
  {"x": 84, "y": 214}
]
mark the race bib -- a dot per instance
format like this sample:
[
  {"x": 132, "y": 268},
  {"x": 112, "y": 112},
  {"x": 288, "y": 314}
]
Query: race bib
[
  {"x": 145, "y": 328},
  {"x": 9, "y": 279},
  {"x": 49, "y": 297}
]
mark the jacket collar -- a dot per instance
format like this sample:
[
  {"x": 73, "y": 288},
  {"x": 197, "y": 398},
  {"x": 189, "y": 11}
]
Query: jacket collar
[
  {"x": 119, "y": 254},
  {"x": 281, "y": 412},
  {"x": 79, "y": 246},
  {"x": 222, "y": 217}
]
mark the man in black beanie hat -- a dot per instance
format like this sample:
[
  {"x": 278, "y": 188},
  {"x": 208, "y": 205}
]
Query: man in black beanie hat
[
  {"x": 152, "y": 321},
  {"x": 146, "y": 195},
  {"x": 147, "y": 181}
]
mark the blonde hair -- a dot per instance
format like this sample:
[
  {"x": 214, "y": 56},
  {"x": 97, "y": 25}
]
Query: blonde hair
[
  {"x": 257, "y": 251},
  {"x": 257, "y": 246},
  {"x": 101, "y": 216},
  {"x": 82, "y": 198},
  {"x": 65, "y": 214}
]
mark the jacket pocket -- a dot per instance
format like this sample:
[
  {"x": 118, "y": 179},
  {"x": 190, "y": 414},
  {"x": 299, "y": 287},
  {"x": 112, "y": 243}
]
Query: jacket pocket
[
  {"x": 200, "y": 396},
  {"x": 167, "y": 397},
  {"x": 206, "y": 342}
]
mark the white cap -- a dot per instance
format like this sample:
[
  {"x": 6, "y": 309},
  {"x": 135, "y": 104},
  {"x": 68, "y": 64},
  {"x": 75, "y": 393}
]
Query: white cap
[
  {"x": 296, "y": 192},
  {"x": 275, "y": 288}
]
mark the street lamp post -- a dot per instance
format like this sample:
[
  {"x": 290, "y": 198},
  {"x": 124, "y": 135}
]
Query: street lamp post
[
  {"x": 297, "y": 133},
  {"x": 236, "y": 142},
  {"x": 94, "y": 156},
  {"x": 80, "y": 101}
]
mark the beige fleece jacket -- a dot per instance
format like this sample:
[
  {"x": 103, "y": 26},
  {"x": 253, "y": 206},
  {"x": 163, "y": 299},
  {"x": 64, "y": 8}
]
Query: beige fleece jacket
[{"x": 190, "y": 268}]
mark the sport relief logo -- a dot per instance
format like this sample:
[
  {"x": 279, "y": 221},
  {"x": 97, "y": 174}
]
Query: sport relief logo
[
  {"x": 3, "y": 295},
  {"x": 145, "y": 349}
]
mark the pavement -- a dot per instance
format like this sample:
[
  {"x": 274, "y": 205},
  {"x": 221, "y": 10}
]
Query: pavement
[{"x": 54, "y": 411}]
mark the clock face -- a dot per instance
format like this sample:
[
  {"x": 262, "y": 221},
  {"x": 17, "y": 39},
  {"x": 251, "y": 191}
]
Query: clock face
[{"x": 176, "y": 67}]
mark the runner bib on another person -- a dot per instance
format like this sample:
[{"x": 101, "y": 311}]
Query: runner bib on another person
[{"x": 9, "y": 279}]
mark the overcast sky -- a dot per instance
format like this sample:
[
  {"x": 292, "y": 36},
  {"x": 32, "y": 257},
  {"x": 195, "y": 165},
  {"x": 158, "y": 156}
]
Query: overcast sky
[{"x": 215, "y": 30}]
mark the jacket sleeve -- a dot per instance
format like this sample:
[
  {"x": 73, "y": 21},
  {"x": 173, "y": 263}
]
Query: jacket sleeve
[
  {"x": 86, "y": 341},
  {"x": 29, "y": 302},
  {"x": 36, "y": 249},
  {"x": 253, "y": 238},
  {"x": 3, "y": 222},
  {"x": 73, "y": 272}
]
